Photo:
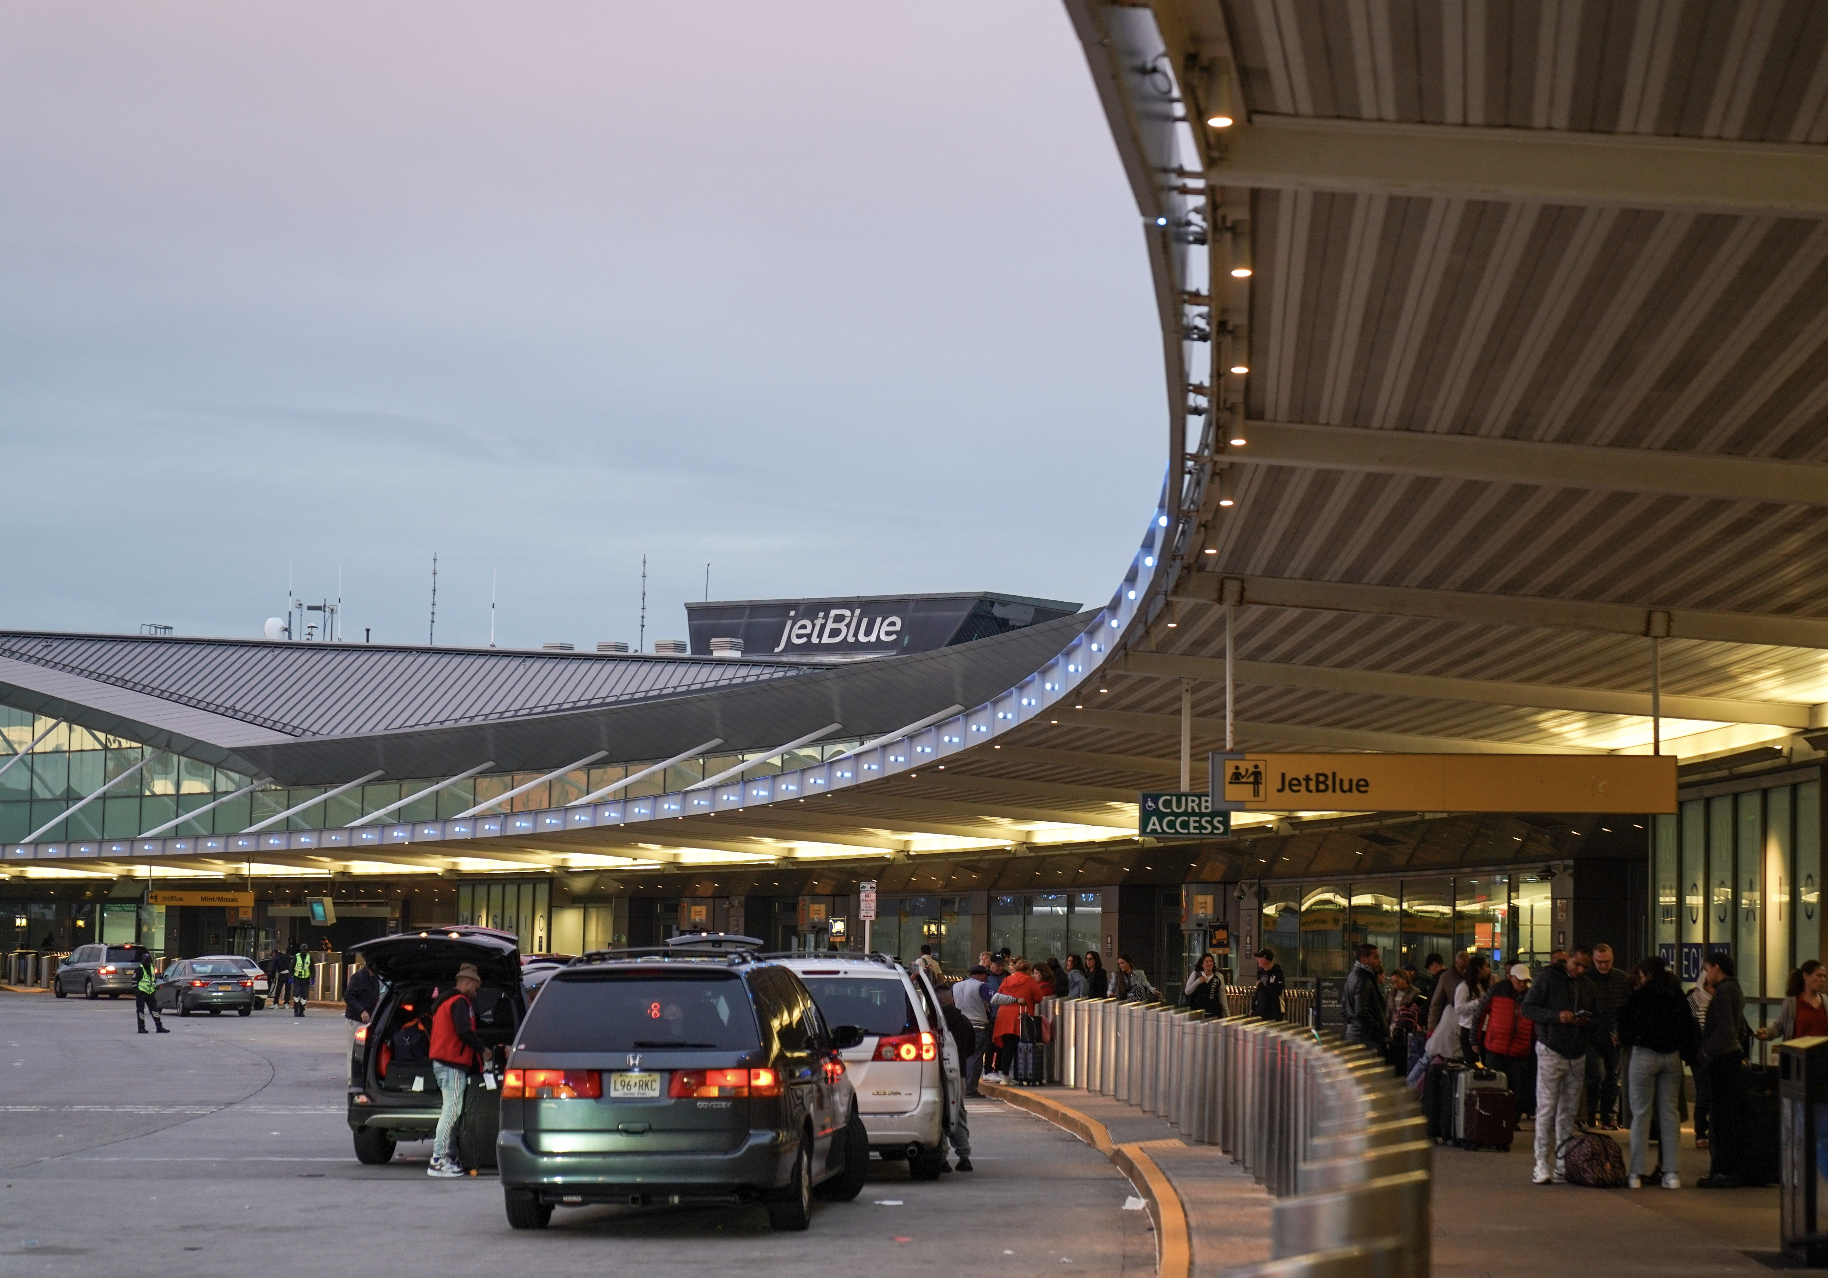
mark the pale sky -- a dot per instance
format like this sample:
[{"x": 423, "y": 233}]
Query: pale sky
[{"x": 845, "y": 299}]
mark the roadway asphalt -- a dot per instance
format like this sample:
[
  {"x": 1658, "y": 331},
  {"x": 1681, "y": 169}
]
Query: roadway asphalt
[{"x": 222, "y": 1147}]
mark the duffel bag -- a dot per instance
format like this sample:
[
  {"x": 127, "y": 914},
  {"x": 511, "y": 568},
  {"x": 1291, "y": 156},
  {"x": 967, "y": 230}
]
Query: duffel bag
[{"x": 1593, "y": 1159}]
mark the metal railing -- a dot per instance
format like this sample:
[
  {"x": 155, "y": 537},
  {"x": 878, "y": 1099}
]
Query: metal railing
[
  {"x": 1338, "y": 1142},
  {"x": 1297, "y": 1002}
]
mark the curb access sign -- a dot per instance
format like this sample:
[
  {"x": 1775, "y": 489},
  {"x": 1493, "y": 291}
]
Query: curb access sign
[{"x": 1180, "y": 814}]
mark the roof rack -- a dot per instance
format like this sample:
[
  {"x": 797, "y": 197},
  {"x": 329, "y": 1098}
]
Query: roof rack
[
  {"x": 661, "y": 953},
  {"x": 834, "y": 956}
]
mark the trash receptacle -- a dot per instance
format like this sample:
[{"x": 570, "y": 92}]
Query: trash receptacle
[{"x": 1803, "y": 1097}]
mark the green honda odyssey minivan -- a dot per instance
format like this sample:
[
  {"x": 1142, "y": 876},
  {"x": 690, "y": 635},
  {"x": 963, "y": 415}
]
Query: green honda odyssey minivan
[{"x": 678, "y": 1078}]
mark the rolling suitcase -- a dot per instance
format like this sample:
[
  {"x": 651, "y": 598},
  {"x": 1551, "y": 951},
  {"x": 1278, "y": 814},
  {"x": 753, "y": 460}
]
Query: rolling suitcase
[
  {"x": 1028, "y": 1064},
  {"x": 1488, "y": 1118},
  {"x": 1466, "y": 1082},
  {"x": 1439, "y": 1094},
  {"x": 478, "y": 1125}
]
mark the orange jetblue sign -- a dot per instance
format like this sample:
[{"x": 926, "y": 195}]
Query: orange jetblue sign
[{"x": 1444, "y": 782}]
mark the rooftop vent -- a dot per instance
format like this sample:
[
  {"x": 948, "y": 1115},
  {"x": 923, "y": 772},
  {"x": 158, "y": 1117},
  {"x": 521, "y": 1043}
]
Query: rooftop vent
[
  {"x": 154, "y": 628},
  {"x": 726, "y": 647},
  {"x": 557, "y": 646},
  {"x": 612, "y": 645},
  {"x": 672, "y": 647}
]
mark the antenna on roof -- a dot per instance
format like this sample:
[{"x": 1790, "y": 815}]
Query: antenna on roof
[
  {"x": 337, "y": 617},
  {"x": 432, "y": 631},
  {"x": 707, "y": 583},
  {"x": 641, "y": 634},
  {"x": 491, "y": 607}
]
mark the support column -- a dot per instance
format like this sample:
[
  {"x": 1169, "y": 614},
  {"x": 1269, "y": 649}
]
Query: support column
[{"x": 1186, "y": 734}]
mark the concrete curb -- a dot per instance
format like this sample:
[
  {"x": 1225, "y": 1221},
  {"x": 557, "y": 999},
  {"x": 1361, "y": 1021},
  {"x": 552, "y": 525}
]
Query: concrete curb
[
  {"x": 22, "y": 989},
  {"x": 1173, "y": 1244}
]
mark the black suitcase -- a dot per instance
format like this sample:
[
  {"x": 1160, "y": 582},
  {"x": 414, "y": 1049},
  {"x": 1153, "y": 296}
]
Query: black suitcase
[
  {"x": 1490, "y": 1118},
  {"x": 1438, "y": 1093},
  {"x": 1759, "y": 1135},
  {"x": 1029, "y": 1064},
  {"x": 478, "y": 1126},
  {"x": 1029, "y": 1029}
]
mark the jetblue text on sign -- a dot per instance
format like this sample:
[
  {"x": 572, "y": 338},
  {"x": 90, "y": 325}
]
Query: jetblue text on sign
[{"x": 1180, "y": 814}]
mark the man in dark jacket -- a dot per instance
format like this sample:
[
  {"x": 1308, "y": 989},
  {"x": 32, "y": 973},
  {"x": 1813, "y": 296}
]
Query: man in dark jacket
[
  {"x": 1430, "y": 975},
  {"x": 1362, "y": 1001},
  {"x": 361, "y": 993},
  {"x": 1611, "y": 987},
  {"x": 1266, "y": 999},
  {"x": 964, "y": 1041},
  {"x": 1722, "y": 1055},
  {"x": 1441, "y": 998},
  {"x": 1560, "y": 1003}
]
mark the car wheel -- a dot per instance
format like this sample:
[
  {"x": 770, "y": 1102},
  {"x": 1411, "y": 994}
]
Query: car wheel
[
  {"x": 246, "y": 1009},
  {"x": 790, "y": 1207},
  {"x": 525, "y": 1210},
  {"x": 89, "y": 990},
  {"x": 58, "y": 989},
  {"x": 183, "y": 1007},
  {"x": 373, "y": 1146},
  {"x": 847, "y": 1184},
  {"x": 928, "y": 1164}
]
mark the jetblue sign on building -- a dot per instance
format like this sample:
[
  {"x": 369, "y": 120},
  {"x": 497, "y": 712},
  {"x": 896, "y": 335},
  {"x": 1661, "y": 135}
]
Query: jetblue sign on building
[
  {"x": 1180, "y": 814},
  {"x": 872, "y": 626}
]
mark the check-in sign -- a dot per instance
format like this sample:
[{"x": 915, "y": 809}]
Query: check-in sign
[
  {"x": 1180, "y": 814},
  {"x": 1444, "y": 783}
]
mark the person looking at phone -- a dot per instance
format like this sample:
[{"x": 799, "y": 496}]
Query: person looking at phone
[{"x": 1561, "y": 1004}]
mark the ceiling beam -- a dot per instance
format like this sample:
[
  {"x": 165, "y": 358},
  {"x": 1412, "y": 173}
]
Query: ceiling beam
[
  {"x": 787, "y": 831},
  {"x": 1540, "y": 696},
  {"x": 1311, "y": 735},
  {"x": 1511, "y": 610},
  {"x": 1554, "y": 166},
  {"x": 1136, "y": 763},
  {"x": 1521, "y": 461},
  {"x": 814, "y": 815},
  {"x": 913, "y": 808}
]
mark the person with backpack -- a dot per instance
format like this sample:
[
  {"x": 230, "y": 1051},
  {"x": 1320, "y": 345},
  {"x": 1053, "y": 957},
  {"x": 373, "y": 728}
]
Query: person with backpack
[
  {"x": 931, "y": 964},
  {"x": 1560, "y": 1003},
  {"x": 1657, "y": 1034},
  {"x": 1722, "y": 1054},
  {"x": 1132, "y": 983},
  {"x": 1507, "y": 1037}
]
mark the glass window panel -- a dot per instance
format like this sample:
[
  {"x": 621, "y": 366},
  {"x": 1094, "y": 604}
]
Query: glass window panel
[
  {"x": 529, "y": 800},
  {"x": 1691, "y": 919},
  {"x": 566, "y": 788},
  {"x": 312, "y": 816},
  {"x": 1427, "y": 920},
  {"x": 86, "y": 824},
  {"x": 86, "y": 773},
  {"x": 1376, "y": 919},
  {"x": 490, "y": 787},
  {"x": 1666, "y": 882},
  {"x": 1748, "y": 901},
  {"x": 336, "y": 812},
  {"x": 1045, "y": 933},
  {"x": 955, "y": 951},
  {"x": 1780, "y": 892},
  {"x": 122, "y": 761},
  {"x": 1720, "y": 920},
  {"x": 17, "y": 782},
  {"x": 13, "y": 821},
  {"x": 466, "y": 903},
  {"x": 1808, "y": 871},
  {"x": 265, "y": 803},
  {"x": 1084, "y": 922},
  {"x": 50, "y": 775},
  {"x": 1482, "y": 914},
  {"x": 376, "y": 797},
  {"x": 228, "y": 782},
  {"x": 422, "y": 808},
  {"x": 1323, "y": 931},
  {"x": 1281, "y": 926},
  {"x": 458, "y": 798},
  {"x": 121, "y": 817},
  {"x": 161, "y": 775},
  {"x": 196, "y": 777},
  {"x": 1006, "y": 923},
  {"x": 231, "y": 818}
]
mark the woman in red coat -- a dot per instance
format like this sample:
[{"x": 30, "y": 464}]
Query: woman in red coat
[{"x": 1015, "y": 998}]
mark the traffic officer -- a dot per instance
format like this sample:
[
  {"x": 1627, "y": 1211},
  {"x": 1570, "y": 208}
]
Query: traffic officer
[
  {"x": 142, "y": 995},
  {"x": 301, "y": 980}
]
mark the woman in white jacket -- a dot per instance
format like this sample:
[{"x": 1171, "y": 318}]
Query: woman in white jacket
[{"x": 1452, "y": 1037}]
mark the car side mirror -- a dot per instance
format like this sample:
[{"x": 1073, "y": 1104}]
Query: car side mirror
[{"x": 845, "y": 1037}]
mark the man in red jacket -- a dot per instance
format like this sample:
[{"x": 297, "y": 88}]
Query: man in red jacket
[
  {"x": 456, "y": 1054},
  {"x": 1508, "y": 1035}
]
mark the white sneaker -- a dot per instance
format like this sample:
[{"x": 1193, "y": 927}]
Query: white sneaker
[
  {"x": 1634, "y": 1182},
  {"x": 1671, "y": 1181},
  {"x": 444, "y": 1170},
  {"x": 992, "y": 1077},
  {"x": 1561, "y": 1177},
  {"x": 1540, "y": 1178}
]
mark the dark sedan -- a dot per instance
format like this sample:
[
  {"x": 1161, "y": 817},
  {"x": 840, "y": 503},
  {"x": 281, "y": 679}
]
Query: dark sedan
[{"x": 215, "y": 984}]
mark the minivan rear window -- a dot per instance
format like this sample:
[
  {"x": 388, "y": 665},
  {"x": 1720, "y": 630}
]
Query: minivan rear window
[
  {"x": 633, "y": 1014},
  {"x": 121, "y": 954},
  {"x": 877, "y": 1005}
]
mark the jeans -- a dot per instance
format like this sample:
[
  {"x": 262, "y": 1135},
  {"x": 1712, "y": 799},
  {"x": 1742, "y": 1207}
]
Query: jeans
[
  {"x": 1655, "y": 1077},
  {"x": 452, "y": 1079},
  {"x": 1558, "y": 1084},
  {"x": 974, "y": 1063},
  {"x": 1726, "y": 1136},
  {"x": 1603, "y": 1082}
]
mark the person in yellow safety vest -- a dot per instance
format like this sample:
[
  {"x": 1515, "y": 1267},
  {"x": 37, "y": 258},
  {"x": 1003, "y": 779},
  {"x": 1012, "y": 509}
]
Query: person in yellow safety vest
[
  {"x": 142, "y": 995},
  {"x": 301, "y": 980}
]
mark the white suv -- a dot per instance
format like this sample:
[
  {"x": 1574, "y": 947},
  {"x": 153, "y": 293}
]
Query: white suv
[{"x": 905, "y": 1071}]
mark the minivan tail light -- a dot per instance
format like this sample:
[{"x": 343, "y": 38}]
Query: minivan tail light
[
  {"x": 907, "y": 1047},
  {"x": 107, "y": 971},
  {"x": 689, "y": 1083},
  {"x": 552, "y": 1084}
]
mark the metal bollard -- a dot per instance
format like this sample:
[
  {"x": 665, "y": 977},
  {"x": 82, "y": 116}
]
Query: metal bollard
[{"x": 1388, "y": 1206}]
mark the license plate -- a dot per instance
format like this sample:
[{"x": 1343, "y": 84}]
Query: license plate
[
  {"x": 634, "y": 1086},
  {"x": 225, "y": 987}
]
